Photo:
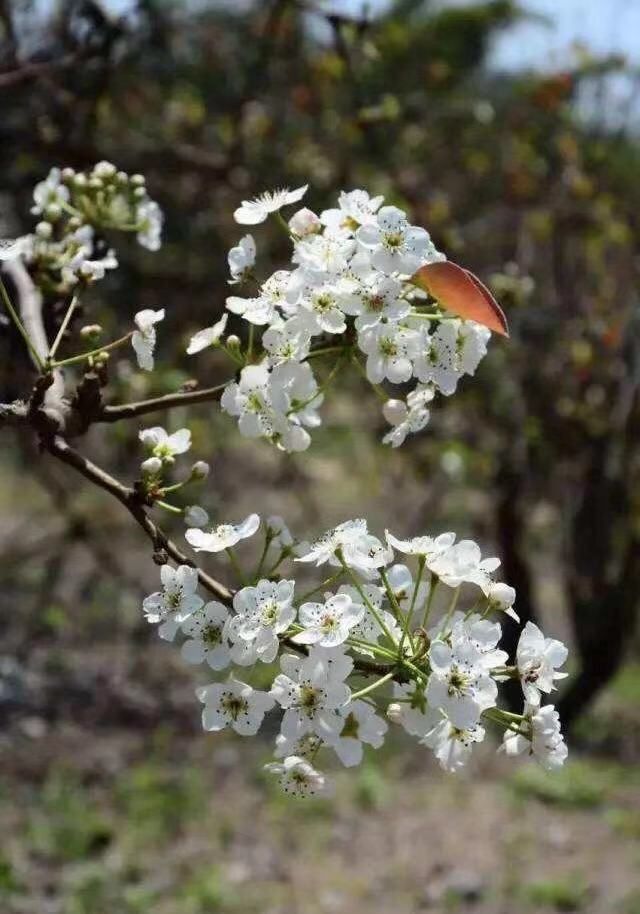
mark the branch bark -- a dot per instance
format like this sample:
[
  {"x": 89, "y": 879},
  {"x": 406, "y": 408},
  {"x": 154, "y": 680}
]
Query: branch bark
[
  {"x": 130, "y": 499},
  {"x": 142, "y": 407}
]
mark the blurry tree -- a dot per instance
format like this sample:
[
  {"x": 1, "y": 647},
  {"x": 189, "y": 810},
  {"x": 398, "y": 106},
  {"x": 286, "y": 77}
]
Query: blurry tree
[{"x": 214, "y": 102}]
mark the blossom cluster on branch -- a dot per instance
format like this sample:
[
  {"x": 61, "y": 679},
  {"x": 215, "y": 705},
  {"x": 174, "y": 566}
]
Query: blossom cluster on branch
[
  {"x": 375, "y": 641},
  {"x": 398, "y": 630}
]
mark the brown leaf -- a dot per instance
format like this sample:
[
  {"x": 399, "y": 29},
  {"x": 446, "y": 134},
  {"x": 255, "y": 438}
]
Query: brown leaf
[{"x": 459, "y": 291}]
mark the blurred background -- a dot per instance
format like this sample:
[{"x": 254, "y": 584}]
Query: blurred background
[{"x": 511, "y": 131}]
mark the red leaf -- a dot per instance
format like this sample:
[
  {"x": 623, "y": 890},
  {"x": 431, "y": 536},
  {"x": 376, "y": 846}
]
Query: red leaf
[{"x": 459, "y": 291}]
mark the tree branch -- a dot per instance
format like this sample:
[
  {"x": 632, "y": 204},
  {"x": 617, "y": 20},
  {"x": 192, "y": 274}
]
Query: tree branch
[
  {"x": 141, "y": 408},
  {"x": 59, "y": 448}
]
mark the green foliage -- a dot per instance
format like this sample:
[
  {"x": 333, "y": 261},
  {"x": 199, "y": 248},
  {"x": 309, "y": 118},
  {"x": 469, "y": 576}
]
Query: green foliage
[
  {"x": 569, "y": 894},
  {"x": 579, "y": 785}
]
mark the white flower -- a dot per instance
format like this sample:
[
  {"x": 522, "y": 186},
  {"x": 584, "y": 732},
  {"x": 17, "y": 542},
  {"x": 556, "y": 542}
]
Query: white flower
[
  {"x": 452, "y": 745},
  {"x": 195, "y": 516},
  {"x": 388, "y": 349},
  {"x": 263, "y": 612},
  {"x": 252, "y": 212},
  {"x": 459, "y": 684},
  {"x": 355, "y": 208},
  {"x": 304, "y": 746},
  {"x": 298, "y": 777},
  {"x": 411, "y": 711},
  {"x": 328, "y": 624},
  {"x": 463, "y": 564},
  {"x": 305, "y": 222},
  {"x": 409, "y": 418},
  {"x": 320, "y": 309},
  {"x": 327, "y": 254},
  {"x": 206, "y": 636},
  {"x": 224, "y": 536},
  {"x": 403, "y": 587},
  {"x": 12, "y": 248},
  {"x": 149, "y": 217},
  {"x": 544, "y": 741},
  {"x": 502, "y": 597},
  {"x": 241, "y": 259},
  {"x": 537, "y": 659},
  {"x": 250, "y": 400},
  {"x": 361, "y": 725},
  {"x": 207, "y": 337},
  {"x": 50, "y": 193},
  {"x": 294, "y": 392},
  {"x": 374, "y": 298},
  {"x": 482, "y": 635},
  {"x": 175, "y": 602},
  {"x": 233, "y": 704},
  {"x": 344, "y": 535},
  {"x": 164, "y": 446},
  {"x": 472, "y": 345},
  {"x": 435, "y": 358},
  {"x": 395, "y": 245},
  {"x": 368, "y": 628},
  {"x": 143, "y": 339},
  {"x": 287, "y": 342},
  {"x": 311, "y": 690},
  {"x": 263, "y": 309},
  {"x": 427, "y": 546}
]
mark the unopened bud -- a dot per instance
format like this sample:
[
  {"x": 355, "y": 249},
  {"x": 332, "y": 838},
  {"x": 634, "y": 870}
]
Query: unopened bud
[
  {"x": 44, "y": 229},
  {"x": 394, "y": 411},
  {"x": 195, "y": 516},
  {"x": 139, "y": 193},
  {"x": 91, "y": 332},
  {"x": 104, "y": 170},
  {"x": 304, "y": 222},
  {"x": 233, "y": 341},
  {"x": 68, "y": 174},
  {"x": 80, "y": 180},
  {"x": 138, "y": 180},
  {"x": 394, "y": 712},
  {"x": 151, "y": 466},
  {"x": 53, "y": 212},
  {"x": 200, "y": 470}
]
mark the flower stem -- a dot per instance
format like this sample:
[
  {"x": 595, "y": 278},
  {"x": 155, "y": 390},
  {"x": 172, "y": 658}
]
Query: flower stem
[
  {"x": 63, "y": 327},
  {"x": 374, "y": 612},
  {"x": 409, "y": 617},
  {"x": 432, "y": 592},
  {"x": 374, "y": 685},
  {"x": 326, "y": 583},
  {"x": 74, "y": 359},
  {"x": 235, "y": 564}
]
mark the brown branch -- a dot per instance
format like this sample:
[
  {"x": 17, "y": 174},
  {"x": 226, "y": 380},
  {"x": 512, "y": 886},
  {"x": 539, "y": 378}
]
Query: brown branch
[
  {"x": 59, "y": 448},
  {"x": 141, "y": 408}
]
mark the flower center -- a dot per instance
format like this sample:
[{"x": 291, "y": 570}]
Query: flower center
[
  {"x": 393, "y": 240},
  {"x": 233, "y": 705},
  {"x": 212, "y": 634},
  {"x": 387, "y": 347}
]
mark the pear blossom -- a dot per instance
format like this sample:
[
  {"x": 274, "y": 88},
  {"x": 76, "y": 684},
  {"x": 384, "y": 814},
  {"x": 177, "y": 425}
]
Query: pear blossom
[
  {"x": 402, "y": 585},
  {"x": 459, "y": 684},
  {"x": 409, "y": 418},
  {"x": 206, "y": 639},
  {"x": 320, "y": 305},
  {"x": 287, "y": 341},
  {"x": 463, "y": 563},
  {"x": 196, "y": 516},
  {"x": 388, "y": 349},
  {"x": 430, "y": 548},
  {"x": 411, "y": 711},
  {"x": 482, "y": 635},
  {"x": 298, "y": 777},
  {"x": 395, "y": 245},
  {"x": 354, "y": 209},
  {"x": 347, "y": 534},
  {"x": 233, "y": 704},
  {"x": 203, "y": 339},
  {"x": 501, "y": 597},
  {"x": 452, "y": 745},
  {"x": 263, "y": 308},
  {"x": 361, "y": 725},
  {"x": 252, "y": 212},
  {"x": 310, "y": 690},
  {"x": 435, "y": 356},
  {"x": 305, "y": 222},
  {"x": 544, "y": 740},
  {"x": 12, "y": 248},
  {"x": 175, "y": 602},
  {"x": 328, "y": 624},
  {"x": 262, "y": 613},
  {"x": 374, "y": 298},
  {"x": 305, "y": 746},
  {"x": 222, "y": 536},
  {"x": 150, "y": 218},
  {"x": 50, "y": 193},
  {"x": 164, "y": 446},
  {"x": 241, "y": 259},
  {"x": 143, "y": 339},
  {"x": 537, "y": 660}
]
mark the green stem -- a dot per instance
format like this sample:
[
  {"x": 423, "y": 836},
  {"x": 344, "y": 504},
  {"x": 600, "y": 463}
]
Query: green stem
[
  {"x": 20, "y": 326},
  {"x": 326, "y": 583},
  {"x": 374, "y": 612},
  {"x": 63, "y": 327},
  {"x": 74, "y": 359},
  {"x": 432, "y": 592},
  {"x": 267, "y": 542},
  {"x": 449, "y": 613},
  {"x": 409, "y": 616},
  {"x": 235, "y": 564},
  {"x": 167, "y": 507},
  {"x": 327, "y": 350},
  {"x": 376, "y": 387},
  {"x": 373, "y": 686},
  {"x": 250, "y": 344}
]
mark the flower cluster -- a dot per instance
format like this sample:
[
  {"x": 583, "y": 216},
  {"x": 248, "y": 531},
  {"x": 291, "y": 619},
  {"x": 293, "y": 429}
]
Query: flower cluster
[
  {"x": 77, "y": 210},
  {"x": 377, "y": 641},
  {"x": 347, "y": 293}
]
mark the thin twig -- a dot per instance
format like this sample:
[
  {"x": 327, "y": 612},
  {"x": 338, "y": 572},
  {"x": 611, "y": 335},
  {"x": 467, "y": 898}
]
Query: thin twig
[{"x": 141, "y": 408}]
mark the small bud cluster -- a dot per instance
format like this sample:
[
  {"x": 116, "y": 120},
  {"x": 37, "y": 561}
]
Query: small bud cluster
[
  {"x": 77, "y": 209},
  {"x": 376, "y": 641},
  {"x": 348, "y": 293}
]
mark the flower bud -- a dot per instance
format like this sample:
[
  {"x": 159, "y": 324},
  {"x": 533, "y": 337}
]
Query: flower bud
[
  {"x": 53, "y": 212},
  {"x": 138, "y": 180},
  {"x": 304, "y": 222},
  {"x": 139, "y": 193},
  {"x": 200, "y": 470},
  {"x": 151, "y": 466},
  {"x": 233, "y": 341},
  {"x": 44, "y": 229},
  {"x": 80, "y": 180},
  {"x": 394, "y": 712},
  {"x": 67, "y": 174},
  {"x": 195, "y": 516},
  {"x": 395, "y": 411},
  {"x": 91, "y": 332},
  {"x": 104, "y": 170}
]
